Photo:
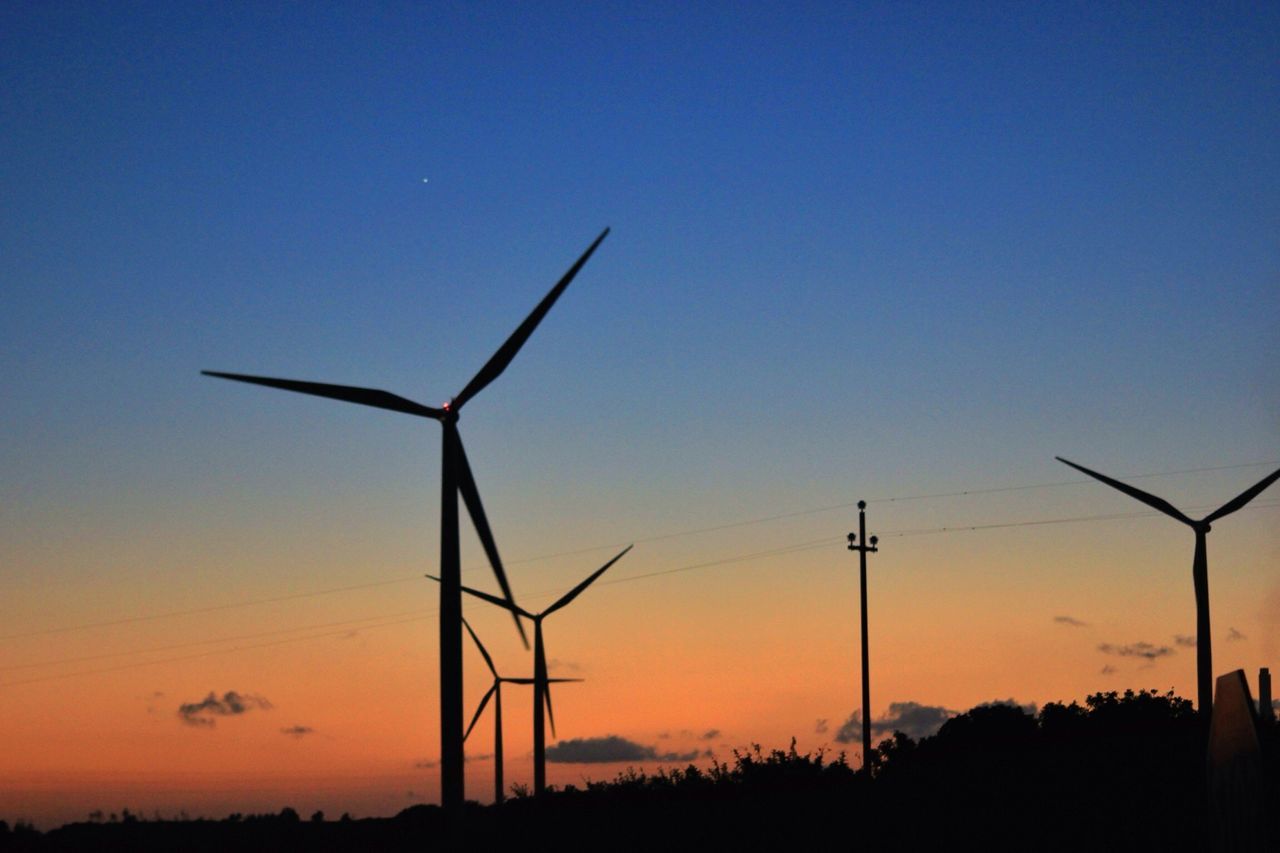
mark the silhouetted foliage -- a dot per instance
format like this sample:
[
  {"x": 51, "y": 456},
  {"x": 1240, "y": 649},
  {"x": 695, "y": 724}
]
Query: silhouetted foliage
[{"x": 1121, "y": 771}]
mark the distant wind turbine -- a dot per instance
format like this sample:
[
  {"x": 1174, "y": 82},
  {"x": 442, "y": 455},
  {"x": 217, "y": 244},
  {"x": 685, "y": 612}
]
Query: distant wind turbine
[
  {"x": 495, "y": 693},
  {"x": 1199, "y": 565},
  {"x": 541, "y": 685},
  {"x": 455, "y": 476}
]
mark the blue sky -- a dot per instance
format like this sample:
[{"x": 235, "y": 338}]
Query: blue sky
[{"x": 858, "y": 250}]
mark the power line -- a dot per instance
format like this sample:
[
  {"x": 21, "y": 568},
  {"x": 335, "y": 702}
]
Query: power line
[
  {"x": 424, "y": 614},
  {"x": 206, "y": 654},
  {"x": 213, "y": 608},
  {"x": 899, "y": 498},
  {"x": 209, "y": 642},
  {"x": 672, "y": 535},
  {"x": 415, "y": 616}
]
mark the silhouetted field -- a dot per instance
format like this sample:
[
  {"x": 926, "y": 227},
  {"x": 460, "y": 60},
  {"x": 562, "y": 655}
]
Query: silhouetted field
[{"x": 1122, "y": 772}]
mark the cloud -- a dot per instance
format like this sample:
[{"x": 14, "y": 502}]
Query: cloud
[
  {"x": 231, "y": 704},
  {"x": 612, "y": 748},
  {"x": 910, "y": 718},
  {"x": 1184, "y": 640},
  {"x": 710, "y": 734},
  {"x": 1108, "y": 670},
  {"x": 151, "y": 700},
  {"x": 599, "y": 750},
  {"x": 820, "y": 727},
  {"x": 571, "y": 666},
  {"x": 298, "y": 731},
  {"x": 1136, "y": 650},
  {"x": 432, "y": 764},
  {"x": 1070, "y": 621},
  {"x": 1029, "y": 707},
  {"x": 1235, "y": 635}
]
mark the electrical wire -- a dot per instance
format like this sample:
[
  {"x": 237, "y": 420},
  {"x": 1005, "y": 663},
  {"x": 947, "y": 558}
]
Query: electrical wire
[
  {"x": 417, "y": 616},
  {"x": 666, "y": 536}
]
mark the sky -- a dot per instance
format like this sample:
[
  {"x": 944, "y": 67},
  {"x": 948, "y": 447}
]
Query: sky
[{"x": 902, "y": 252}]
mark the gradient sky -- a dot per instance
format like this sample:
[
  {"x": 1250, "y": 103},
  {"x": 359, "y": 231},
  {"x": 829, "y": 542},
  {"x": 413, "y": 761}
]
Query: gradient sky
[{"x": 858, "y": 251}]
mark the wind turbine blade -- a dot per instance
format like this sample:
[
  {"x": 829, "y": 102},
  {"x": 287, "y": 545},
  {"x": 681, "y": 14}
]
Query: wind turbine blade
[
  {"x": 492, "y": 599},
  {"x": 573, "y": 593},
  {"x": 500, "y": 359},
  {"x": 1244, "y": 497},
  {"x": 471, "y": 496},
  {"x": 1148, "y": 499},
  {"x": 363, "y": 396},
  {"x": 546, "y": 695},
  {"x": 551, "y": 717},
  {"x": 480, "y": 646},
  {"x": 479, "y": 711},
  {"x": 534, "y": 680}
]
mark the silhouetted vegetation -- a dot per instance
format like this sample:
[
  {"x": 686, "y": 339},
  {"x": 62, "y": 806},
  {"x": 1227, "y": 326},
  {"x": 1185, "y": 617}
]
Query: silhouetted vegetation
[{"x": 1122, "y": 771}]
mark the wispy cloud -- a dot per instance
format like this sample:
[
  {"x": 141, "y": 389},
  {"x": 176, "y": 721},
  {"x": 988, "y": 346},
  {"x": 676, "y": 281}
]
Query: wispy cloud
[
  {"x": 1184, "y": 639},
  {"x": 1146, "y": 651},
  {"x": 1234, "y": 635},
  {"x": 152, "y": 699},
  {"x": 612, "y": 748},
  {"x": 432, "y": 764},
  {"x": 298, "y": 731},
  {"x": 1108, "y": 670},
  {"x": 231, "y": 704},
  {"x": 820, "y": 727},
  {"x": 557, "y": 663},
  {"x": 710, "y": 734},
  {"x": 1070, "y": 621},
  {"x": 910, "y": 718}
]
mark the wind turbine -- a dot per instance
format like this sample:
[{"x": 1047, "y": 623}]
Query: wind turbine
[
  {"x": 455, "y": 477},
  {"x": 1199, "y": 565},
  {"x": 495, "y": 693},
  {"x": 541, "y": 684}
]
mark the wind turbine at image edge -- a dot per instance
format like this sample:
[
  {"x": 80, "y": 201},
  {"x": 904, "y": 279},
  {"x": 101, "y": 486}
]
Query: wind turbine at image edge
[
  {"x": 1199, "y": 565},
  {"x": 455, "y": 477},
  {"x": 541, "y": 684},
  {"x": 495, "y": 693}
]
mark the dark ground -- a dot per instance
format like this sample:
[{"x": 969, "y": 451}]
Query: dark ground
[{"x": 1119, "y": 773}]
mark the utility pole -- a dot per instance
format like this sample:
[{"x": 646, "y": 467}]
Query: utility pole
[{"x": 858, "y": 542}]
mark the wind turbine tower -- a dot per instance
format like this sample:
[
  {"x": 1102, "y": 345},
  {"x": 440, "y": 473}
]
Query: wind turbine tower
[
  {"x": 1199, "y": 565},
  {"x": 455, "y": 477},
  {"x": 541, "y": 684},
  {"x": 495, "y": 693}
]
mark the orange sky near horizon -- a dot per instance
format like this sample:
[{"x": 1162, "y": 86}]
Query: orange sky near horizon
[{"x": 757, "y": 650}]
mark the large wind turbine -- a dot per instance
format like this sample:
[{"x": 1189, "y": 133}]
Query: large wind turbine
[
  {"x": 495, "y": 693},
  {"x": 455, "y": 476},
  {"x": 541, "y": 684},
  {"x": 1199, "y": 565}
]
